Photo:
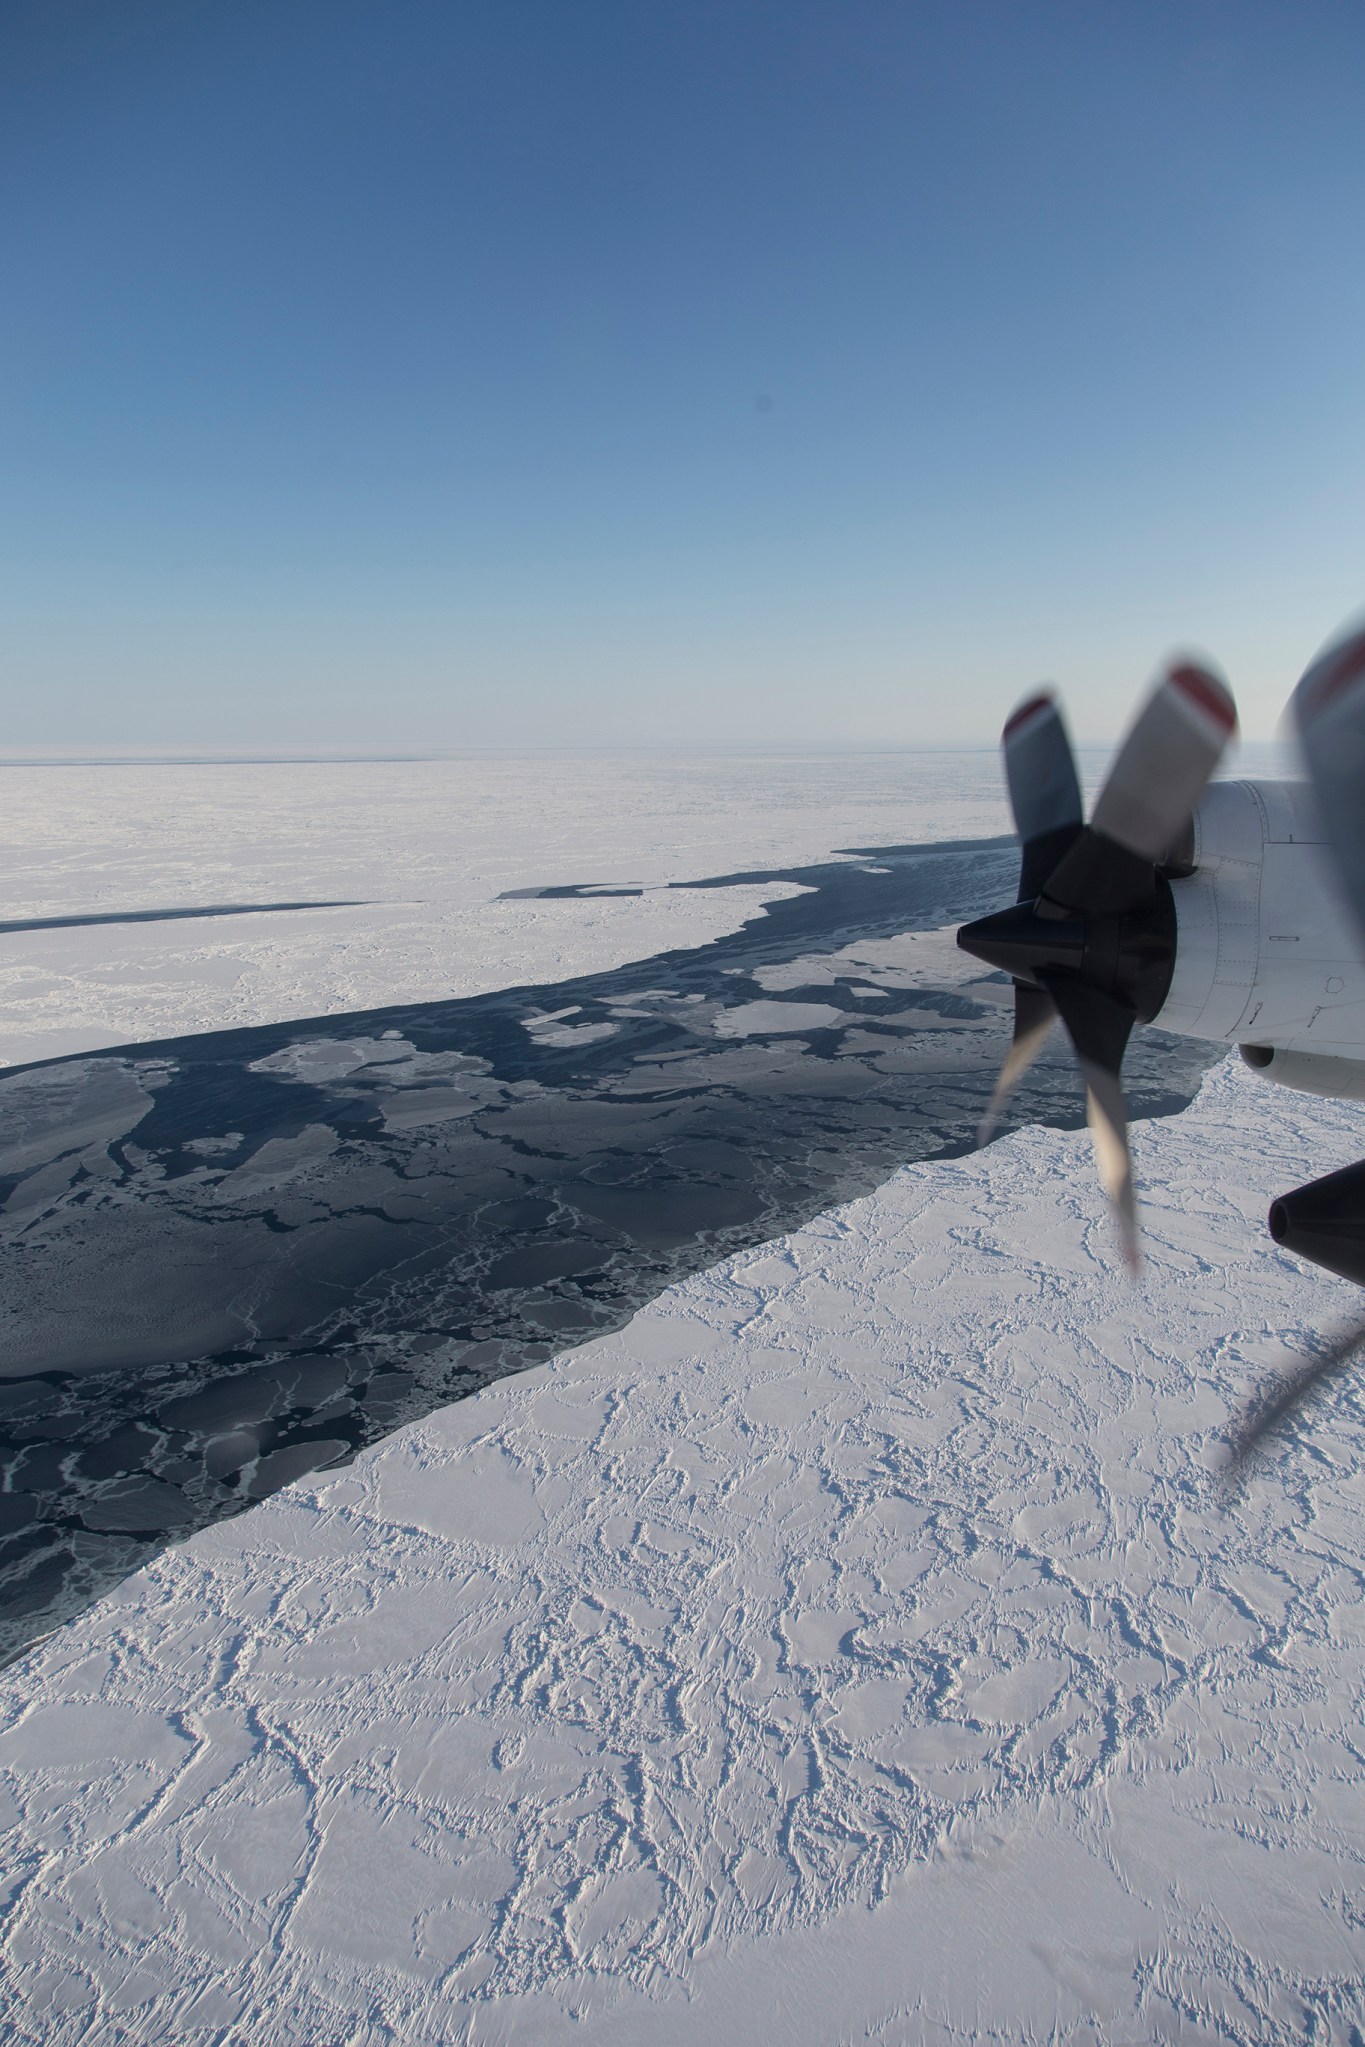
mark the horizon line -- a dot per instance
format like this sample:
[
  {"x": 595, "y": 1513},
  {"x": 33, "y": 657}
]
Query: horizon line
[{"x": 17, "y": 758}]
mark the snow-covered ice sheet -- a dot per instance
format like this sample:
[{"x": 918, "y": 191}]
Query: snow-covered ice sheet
[
  {"x": 431, "y": 850},
  {"x": 865, "y": 1643}
]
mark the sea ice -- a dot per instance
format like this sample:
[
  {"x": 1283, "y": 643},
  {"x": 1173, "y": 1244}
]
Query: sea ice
[
  {"x": 429, "y": 857},
  {"x": 864, "y": 1642}
]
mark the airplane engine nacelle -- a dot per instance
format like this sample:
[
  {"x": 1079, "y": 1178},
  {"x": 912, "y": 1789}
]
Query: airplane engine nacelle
[
  {"x": 1267, "y": 955},
  {"x": 1325, "y": 1222},
  {"x": 1311, "y": 1073}
]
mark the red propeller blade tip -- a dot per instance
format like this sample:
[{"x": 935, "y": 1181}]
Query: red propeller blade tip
[
  {"x": 1027, "y": 712},
  {"x": 1205, "y": 693}
]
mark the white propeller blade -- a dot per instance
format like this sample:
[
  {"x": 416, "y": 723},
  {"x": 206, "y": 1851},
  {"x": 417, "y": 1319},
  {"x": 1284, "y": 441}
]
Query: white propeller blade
[
  {"x": 1329, "y": 713},
  {"x": 1164, "y": 764},
  {"x": 1034, "y": 1013}
]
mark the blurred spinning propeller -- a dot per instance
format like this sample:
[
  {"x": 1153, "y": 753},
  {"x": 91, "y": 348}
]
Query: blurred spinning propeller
[
  {"x": 1328, "y": 710},
  {"x": 1328, "y": 713},
  {"x": 1092, "y": 936}
]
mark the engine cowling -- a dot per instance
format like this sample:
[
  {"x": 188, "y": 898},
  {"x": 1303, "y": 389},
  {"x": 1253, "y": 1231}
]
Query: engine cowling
[{"x": 1266, "y": 954}]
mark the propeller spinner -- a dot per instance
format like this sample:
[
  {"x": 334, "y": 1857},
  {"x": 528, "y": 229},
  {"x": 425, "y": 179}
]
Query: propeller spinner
[{"x": 1092, "y": 937}]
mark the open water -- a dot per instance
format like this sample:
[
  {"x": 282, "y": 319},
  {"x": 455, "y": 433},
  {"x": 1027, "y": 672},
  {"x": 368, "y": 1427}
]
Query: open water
[{"x": 228, "y": 1260}]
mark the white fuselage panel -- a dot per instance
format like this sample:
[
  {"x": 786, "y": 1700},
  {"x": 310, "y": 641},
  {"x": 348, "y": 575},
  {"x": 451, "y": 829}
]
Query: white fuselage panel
[{"x": 1266, "y": 952}]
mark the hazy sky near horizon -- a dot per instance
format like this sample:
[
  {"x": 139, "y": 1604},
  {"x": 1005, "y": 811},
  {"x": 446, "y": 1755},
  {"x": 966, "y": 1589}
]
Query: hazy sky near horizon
[{"x": 427, "y": 374}]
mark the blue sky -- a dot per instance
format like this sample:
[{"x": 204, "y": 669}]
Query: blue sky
[{"x": 411, "y": 374}]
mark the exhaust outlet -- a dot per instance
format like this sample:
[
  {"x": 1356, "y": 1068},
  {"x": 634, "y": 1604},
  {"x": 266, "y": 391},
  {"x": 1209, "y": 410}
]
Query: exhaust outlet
[{"x": 1324, "y": 1222}]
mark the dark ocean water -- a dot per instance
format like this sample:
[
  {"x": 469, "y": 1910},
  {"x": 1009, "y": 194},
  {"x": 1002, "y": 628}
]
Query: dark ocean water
[{"x": 234, "y": 1258}]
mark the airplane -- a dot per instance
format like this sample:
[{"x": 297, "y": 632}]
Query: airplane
[{"x": 1231, "y": 911}]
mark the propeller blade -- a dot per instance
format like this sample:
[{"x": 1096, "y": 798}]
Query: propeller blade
[
  {"x": 1045, "y": 795},
  {"x": 1329, "y": 715},
  {"x": 1260, "y": 1422},
  {"x": 1099, "y": 1027},
  {"x": 1164, "y": 764},
  {"x": 1162, "y": 769},
  {"x": 1034, "y": 1011}
]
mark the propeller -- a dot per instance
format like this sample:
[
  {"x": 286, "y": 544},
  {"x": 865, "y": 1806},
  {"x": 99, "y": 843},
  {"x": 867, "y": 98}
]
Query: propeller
[
  {"x": 1328, "y": 713},
  {"x": 1092, "y": 936},
  {"x": 1328, "y": 710}
]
